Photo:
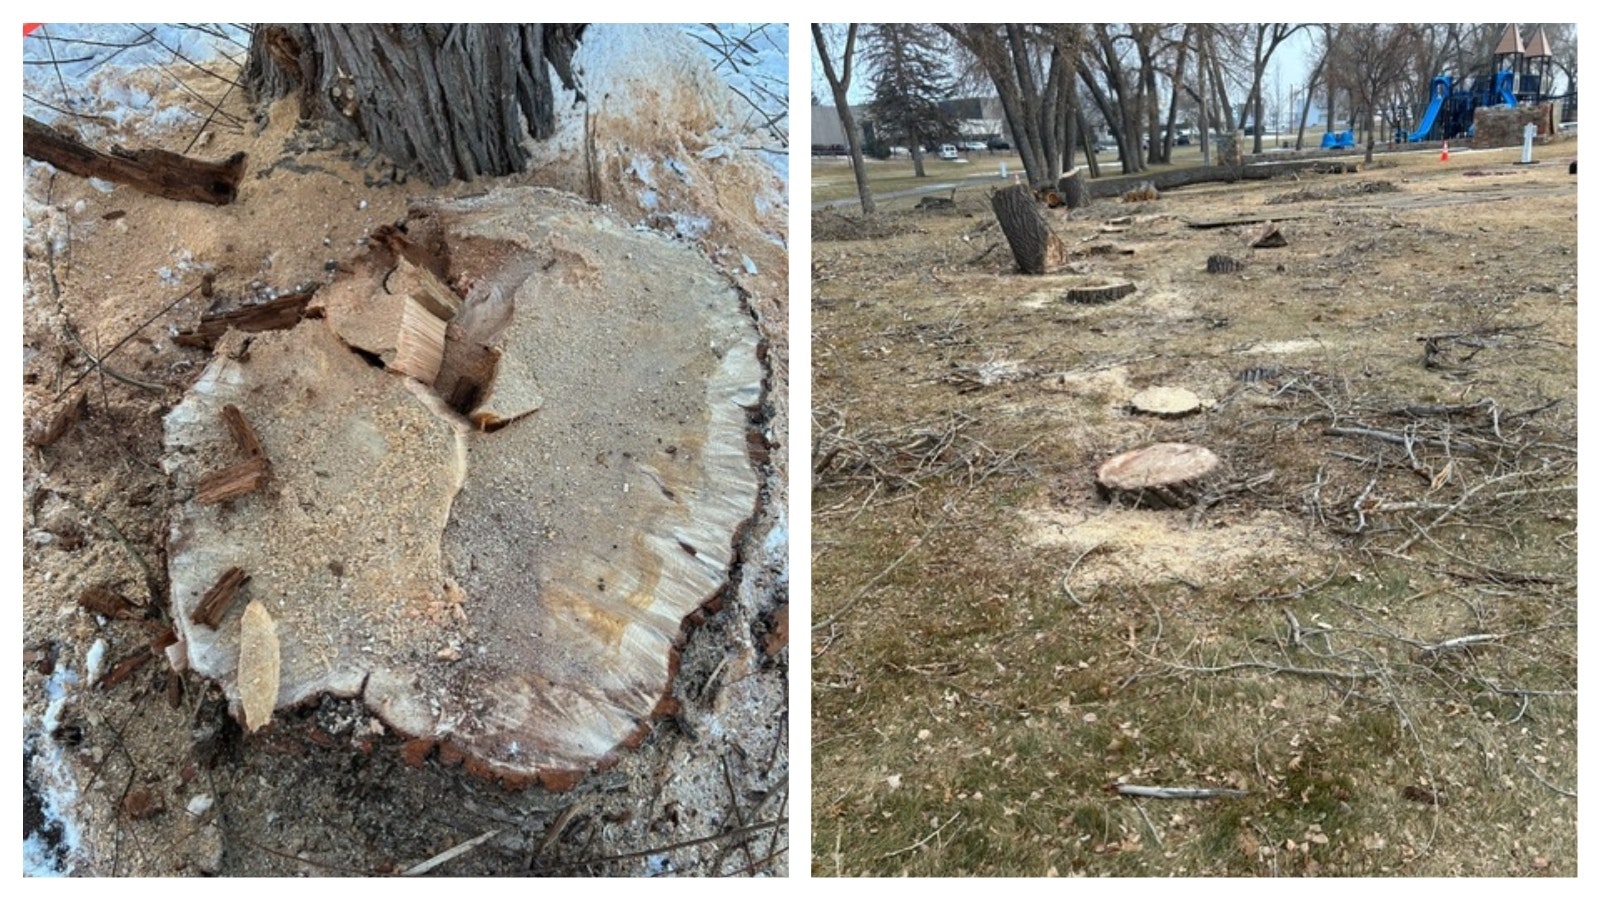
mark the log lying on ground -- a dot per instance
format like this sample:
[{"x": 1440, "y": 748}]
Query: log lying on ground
[
  {"x": 158, "y": 172},
  {"x": 1035, "y": 246},
  {"x": 1160, "y": 476},
  {"x": 1175, "y": 178}
]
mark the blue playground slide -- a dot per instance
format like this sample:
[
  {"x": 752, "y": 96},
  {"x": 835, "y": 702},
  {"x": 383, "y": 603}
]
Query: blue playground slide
[
  {"x": 1502, "y": 86},
  {"x": 1440, "y": 90}
]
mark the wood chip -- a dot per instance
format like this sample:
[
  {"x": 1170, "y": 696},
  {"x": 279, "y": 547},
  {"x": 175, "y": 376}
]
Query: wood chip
[
  {"x": 214, "y": 606},
  {"x": 258, "y": 665},
  {"x": 233, "y": 481}
]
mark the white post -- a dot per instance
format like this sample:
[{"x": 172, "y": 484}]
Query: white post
[{"x": 1528, "y": 131}]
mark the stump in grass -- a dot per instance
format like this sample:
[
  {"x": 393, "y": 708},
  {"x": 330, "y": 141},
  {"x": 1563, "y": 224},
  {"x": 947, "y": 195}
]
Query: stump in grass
[
  {"x": 1222, "y": 264},
  {"x": 1160, "y": 476},
  {"x": 1035, "y": 246},
  {"x": 1165, "y": 402},
  {"x": 1073, "y": 189}
]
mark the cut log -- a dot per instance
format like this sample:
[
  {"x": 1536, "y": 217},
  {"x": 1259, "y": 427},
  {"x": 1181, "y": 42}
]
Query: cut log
[
  {"x": 1100, "y": 294},
  {"x": 1035, "y": 246},
  {"x": 1073, "y": 189},
  {"x": 158, "y": 172},
  {"x": 1166, "y": 402},
  {"x": 1221, "y": 264},
  {"x": 1160, "y": 476}
]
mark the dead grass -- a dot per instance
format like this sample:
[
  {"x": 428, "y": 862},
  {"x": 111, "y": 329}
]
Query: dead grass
[{"x": 1369, "y": 623}]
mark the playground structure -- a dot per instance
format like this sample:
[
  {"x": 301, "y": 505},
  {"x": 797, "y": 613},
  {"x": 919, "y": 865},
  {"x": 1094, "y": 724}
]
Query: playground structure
[{"x": 1521, "y": 75}]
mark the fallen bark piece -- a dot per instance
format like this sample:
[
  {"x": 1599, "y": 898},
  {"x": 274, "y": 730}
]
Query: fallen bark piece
[
  {"x": 258, "y": 665},
  {"x": 243, "y": 435},
  {"x": 214, "y": 605},
  {"x": 103, "y": 601},
  {"x": 1267, "y": 235},
  {"x": 1160, "y": 476},
  {"x": 234, "y": 481},
  {"x": 273, "y": 315},
  {"x": 555, "y": 552},
  {"x": 158, "y": 172},
  {"x": 1035, "y": 247},
  {"x": 46, "y": 417},
  {"x": 1166, "y": 402}
]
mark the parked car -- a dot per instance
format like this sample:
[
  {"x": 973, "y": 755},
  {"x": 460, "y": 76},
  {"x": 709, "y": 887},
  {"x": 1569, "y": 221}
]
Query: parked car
[
  {"x": 974, "y": 146},
  {"x": 948, "y": 151},
  {"x": 998, "y": 144}
]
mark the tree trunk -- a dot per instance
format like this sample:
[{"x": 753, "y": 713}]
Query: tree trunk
[
  {"x": 441, "y": 101},
  {"x": 1035, "y": 246},
  {"x": 840, "y": 85}
]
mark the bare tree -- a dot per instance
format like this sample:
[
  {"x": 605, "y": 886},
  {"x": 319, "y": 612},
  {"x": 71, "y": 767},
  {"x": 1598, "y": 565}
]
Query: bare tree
[
  {"x": 1375, "y": 56},
  {"x": 441, "y": 101},
  {"x": 839, "y": 82},
  {"x": 1264, "y": 39}
]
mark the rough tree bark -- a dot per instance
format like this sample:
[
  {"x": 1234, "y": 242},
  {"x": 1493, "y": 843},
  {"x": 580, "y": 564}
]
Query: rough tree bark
[
  {"x": 441, "y": 101},
  {"x": 1035, "y": 246}
]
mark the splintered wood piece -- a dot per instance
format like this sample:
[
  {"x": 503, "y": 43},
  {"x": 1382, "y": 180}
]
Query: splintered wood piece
[
  {"x": 1102, "y": 294},
  {"x": 420, "y": 350},
  {"x": 1166, "y": 402},
  {"x": 1161, "y": 476},
  {"x": 1035, "y": 247},
  {"x": 1268, "y": 235},
  {"x": 233, "y": 481},
  {"x": 1221, "y": 264},
  {"x": 258, "y": 665},
  {"x": 214, "y": 606},
  {"x": 243, "y": 435},
  {"x": 158, "y": 172},
  {"x": 273, "y": 315},
  {"x": 125, "y": 668}
]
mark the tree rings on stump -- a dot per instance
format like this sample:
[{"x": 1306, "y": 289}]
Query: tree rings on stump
[
  {"x": 1160, "y": 476},
  {"x": 1166, "y": 402}
]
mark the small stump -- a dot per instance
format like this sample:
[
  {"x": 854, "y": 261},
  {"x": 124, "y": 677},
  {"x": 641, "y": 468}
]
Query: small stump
[
  {"x": 1166, "y": 402},
  {"x": 1160, "y": 476},
  {"x": 1095, "y": 295},
  {"x": 1222, "y": 264}
]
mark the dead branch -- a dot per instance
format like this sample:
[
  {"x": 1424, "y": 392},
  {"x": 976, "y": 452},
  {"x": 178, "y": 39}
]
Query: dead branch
[
  {"x": 161, "y": 173},
  {"x": 1177, "y": 793}
]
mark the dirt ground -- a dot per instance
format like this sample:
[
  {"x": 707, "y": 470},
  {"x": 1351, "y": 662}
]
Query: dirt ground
[
  {"x": 1366, "y": 625},
  {"x": 141, "y": 770}
]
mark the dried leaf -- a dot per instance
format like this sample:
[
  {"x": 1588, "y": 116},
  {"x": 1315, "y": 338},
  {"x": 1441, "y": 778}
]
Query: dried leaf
[{"x": 258, "y": 665}]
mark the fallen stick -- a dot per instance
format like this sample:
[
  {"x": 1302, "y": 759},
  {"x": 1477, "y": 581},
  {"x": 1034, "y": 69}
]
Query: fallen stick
[
  {"x": 427, "y": 865},
  {"x": 1169, "y": 793},
  {"x": 161, "y": 173}
]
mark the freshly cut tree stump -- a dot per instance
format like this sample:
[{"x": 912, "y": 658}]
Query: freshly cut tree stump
[
  {"x": 1160, "y": 476},
  {"x": 1073, "y": 188},
  {"x": 1166, "y": 402},
  {"x": 1035, "y": 246},
  {"x": 1221, "y": 264},
  {"x": 1100, "y": 294}
]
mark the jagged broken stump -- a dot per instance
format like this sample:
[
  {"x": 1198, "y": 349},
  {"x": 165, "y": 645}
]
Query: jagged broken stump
[
  {"x": 490, "y": 506},
  {"x": 1160, "y": 476}
]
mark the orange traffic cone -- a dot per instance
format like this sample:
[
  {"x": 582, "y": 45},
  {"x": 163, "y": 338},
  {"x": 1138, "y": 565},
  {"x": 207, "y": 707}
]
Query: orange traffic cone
[{"x": 1444, "y": 155}]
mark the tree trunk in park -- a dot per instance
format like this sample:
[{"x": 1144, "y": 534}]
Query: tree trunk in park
[
  {"x": 839, "y": 84},
  {"x": 1035, "y": 246},
  {"x": 443, "y": 102}
]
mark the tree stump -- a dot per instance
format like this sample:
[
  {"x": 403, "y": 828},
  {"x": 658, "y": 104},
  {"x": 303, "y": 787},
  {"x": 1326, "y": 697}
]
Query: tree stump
[
  {"x": 1160, "y": 476},
  {"x": 1221, "y": 264},
  {"x": 1165, "y": 402},
  {"x": 1073, "y": 188},
  {"x": 1268, "y": 235},
  {"x": 1098, "y": 294},
  {"x": 1035, "y": 247}
]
